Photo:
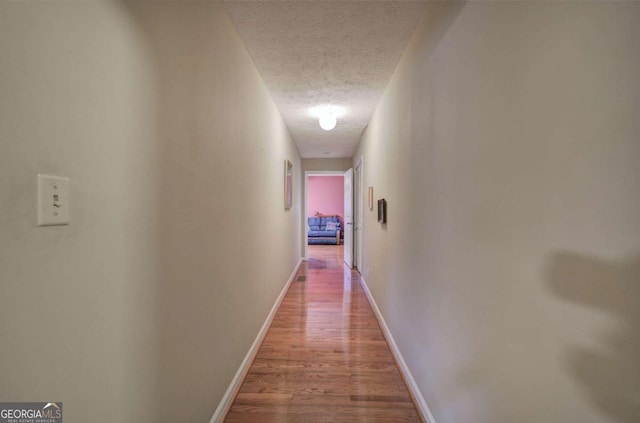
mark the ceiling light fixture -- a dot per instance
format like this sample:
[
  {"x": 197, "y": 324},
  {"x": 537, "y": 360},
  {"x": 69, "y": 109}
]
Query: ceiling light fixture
[
  {"x": 327, "y": 122},
  {"x": 327, "y": 115}
]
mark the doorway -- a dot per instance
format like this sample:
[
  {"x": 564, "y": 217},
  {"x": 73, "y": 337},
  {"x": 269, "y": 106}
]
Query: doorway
[
  {"x": 353, "y": 257},
  {"x": 323, "y": 209}
]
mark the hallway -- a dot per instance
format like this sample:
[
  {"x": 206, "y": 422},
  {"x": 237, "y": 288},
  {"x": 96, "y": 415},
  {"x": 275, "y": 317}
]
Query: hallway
[
  {"x": 324, "y": 357},
  {"x": 157, "y": 162}
]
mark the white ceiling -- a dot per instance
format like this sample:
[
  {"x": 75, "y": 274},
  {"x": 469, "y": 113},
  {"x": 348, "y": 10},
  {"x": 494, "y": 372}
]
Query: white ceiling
[{"x": 317, "y": 52}]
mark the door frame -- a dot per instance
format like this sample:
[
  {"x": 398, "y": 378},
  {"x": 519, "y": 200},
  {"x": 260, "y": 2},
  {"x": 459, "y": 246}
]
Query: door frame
[{"x": 308, "y": 173}]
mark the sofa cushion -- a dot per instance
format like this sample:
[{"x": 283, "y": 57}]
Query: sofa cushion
[
  {"x": 332, "y": 226},
  {"x": 327, "y": 219},
  {"x": 313, "y": 223}
]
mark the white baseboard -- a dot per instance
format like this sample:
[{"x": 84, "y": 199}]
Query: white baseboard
[
  {"x": 423, "y": 408},
  {"x": 234, "y": 386}
]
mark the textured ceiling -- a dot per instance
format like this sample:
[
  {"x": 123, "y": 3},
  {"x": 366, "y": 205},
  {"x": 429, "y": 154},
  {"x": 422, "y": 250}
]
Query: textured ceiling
[{"x": 325, "y": 52}]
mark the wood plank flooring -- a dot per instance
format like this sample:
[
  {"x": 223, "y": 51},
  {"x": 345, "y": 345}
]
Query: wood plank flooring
[{"x": 324, "y": 358}]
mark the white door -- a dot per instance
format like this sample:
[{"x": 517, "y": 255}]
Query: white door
[
  {"x": 348, "y": 217},
  {"x": 357, "y": 215}
]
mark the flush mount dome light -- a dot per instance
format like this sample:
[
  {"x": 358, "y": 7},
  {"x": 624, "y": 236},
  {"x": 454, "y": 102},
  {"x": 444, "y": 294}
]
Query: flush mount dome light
[
  {"x": 327, "y": 122},
  {"x": 327, "y": 115}
]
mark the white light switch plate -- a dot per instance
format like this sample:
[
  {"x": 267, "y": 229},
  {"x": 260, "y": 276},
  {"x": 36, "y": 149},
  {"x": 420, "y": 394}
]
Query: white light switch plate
[{"x": 53, "y": 200}]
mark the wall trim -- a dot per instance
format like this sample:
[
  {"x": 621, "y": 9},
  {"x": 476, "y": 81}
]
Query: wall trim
[
  {"x": 234, "y": 386},
  {"x": 423, "y": 407}
]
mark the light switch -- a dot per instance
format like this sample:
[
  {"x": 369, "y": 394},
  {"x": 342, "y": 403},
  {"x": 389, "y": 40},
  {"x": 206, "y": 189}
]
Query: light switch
[{"x": 53, "y": 200}]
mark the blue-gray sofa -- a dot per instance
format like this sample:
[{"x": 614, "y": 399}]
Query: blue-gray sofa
[{"x": 324, "y": 230}]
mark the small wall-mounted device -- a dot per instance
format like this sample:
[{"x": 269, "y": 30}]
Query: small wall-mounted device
[
  {"x": 382, "y": 211},
  {"x": 53, "y": 200}
]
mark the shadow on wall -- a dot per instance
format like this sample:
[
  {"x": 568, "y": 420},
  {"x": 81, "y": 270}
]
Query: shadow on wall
[{"x": 611, "y": 375}]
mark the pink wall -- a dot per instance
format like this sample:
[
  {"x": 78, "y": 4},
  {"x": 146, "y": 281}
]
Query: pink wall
[{"x": 325, "y": 194}]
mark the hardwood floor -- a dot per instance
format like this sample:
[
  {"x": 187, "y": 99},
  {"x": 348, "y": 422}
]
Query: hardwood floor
[{"x": 324, "y": 358}]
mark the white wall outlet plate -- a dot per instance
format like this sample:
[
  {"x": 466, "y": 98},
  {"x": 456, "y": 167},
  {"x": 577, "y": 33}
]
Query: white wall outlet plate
[{"x": 53, "y": 200}]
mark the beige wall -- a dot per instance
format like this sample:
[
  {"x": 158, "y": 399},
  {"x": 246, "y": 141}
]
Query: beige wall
[
  {"x": 342, "y": 164},
  {"x": 507, "y": 146},
  {"x": 143, "y": 308}
]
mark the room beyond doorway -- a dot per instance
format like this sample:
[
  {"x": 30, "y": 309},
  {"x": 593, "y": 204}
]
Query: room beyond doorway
[{"x": 324, "y": 209}]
